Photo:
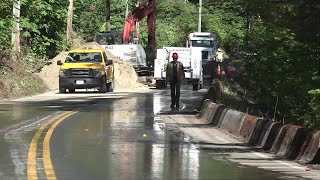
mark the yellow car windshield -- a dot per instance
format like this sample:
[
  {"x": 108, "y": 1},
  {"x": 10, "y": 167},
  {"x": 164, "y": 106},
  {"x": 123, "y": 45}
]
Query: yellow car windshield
[{"x": 91, "y": 57}]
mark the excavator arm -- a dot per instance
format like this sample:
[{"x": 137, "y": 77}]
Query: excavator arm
[{"x": 144, "y": 9}]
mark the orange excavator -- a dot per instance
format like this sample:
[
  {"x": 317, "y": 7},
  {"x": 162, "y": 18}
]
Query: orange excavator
[
  {"x": 144, "y": 9},
  {"x": 122, "y": 45}
]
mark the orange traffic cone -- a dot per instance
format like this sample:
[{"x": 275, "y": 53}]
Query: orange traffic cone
[{"x": 219, "y": 71}]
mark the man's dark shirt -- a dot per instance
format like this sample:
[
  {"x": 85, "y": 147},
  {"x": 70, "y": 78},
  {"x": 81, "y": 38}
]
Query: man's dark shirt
[{"x": 174, "y": 73}]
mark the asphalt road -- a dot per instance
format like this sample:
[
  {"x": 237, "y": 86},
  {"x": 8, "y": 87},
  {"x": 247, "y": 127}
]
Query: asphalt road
[{"x": 107, "y": 136}]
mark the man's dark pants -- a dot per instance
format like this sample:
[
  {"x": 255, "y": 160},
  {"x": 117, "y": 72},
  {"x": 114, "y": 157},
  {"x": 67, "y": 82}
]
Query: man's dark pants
[{"x": 175, "y": 93}]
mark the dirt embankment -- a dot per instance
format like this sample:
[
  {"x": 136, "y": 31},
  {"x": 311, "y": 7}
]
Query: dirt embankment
[
  {"x": 125, "y": 75},
  {"x": 15, "y": 81}
]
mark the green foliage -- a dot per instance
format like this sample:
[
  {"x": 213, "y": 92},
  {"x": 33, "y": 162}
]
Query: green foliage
[
  {"x": 313, "y": 118},
  {"x": 42, "y": 22},
  {"x": 5, "y": 23},
  {"x": 280, "y": 63}
]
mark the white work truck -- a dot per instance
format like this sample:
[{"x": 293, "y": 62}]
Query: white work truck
[
  {"x": 201, "y": 48},
  {"x": 134, "y": 54}
]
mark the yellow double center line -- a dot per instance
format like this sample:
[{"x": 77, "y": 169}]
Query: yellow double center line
[{"x": 32, "y": 156}]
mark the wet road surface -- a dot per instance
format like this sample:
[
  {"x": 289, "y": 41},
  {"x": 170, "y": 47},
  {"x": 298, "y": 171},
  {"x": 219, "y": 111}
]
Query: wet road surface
[{"x": 100, "y": 136}]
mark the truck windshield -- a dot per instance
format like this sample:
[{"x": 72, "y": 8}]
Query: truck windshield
[
  {"x": 84, "y": 57},
  {"x": 109, "y": 38},
  {"x": 202, "y": 43}
]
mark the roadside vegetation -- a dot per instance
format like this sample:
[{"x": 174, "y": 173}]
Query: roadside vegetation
[{"x": 274, "y": 44}]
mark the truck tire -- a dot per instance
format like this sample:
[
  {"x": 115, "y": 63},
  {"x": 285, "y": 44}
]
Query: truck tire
[
  {"x": 72, "y": 90},
  {"x": 195, "y": 87},
  {"x": 62, "y": 90},
  {"x": 110, "y": 86},
  {"x": 103, "y": 88}
]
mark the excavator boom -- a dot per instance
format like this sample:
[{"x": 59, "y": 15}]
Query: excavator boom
[{"x": 145, "y": 9}]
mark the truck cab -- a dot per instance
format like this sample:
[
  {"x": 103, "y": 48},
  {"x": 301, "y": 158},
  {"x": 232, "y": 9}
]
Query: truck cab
[
  {"x": 86, "y": 69},
  {"x": 204, "y": 42}
]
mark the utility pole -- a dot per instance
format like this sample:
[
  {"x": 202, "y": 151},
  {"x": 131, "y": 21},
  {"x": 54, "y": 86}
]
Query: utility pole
[
  {"x": 15, "y": 38},
  {"x": 200, "y": 11},
  {"x": 69, "y": 21},
  {"x": 108, "y": 24}
]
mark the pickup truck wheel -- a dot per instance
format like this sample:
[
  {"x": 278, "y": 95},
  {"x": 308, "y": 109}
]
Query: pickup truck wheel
[
  {"x": 72, "y": 90},
  {"x": 62, "y": 90},
  {"x": 103, "y": 88},
  {"x": 110, "y": 86}
]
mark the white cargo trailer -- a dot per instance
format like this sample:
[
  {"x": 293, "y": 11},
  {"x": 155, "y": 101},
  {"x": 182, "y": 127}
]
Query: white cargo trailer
[
  {"x": 201, "y": 49},
  {"x": 190, "y": 60}
]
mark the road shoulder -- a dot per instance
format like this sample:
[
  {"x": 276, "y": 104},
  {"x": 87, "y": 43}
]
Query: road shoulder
[{"x": 222, "y": 145}]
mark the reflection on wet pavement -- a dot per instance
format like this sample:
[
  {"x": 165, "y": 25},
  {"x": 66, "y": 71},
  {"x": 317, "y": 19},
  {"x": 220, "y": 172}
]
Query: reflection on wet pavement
[{"x": 105, "y": 139}]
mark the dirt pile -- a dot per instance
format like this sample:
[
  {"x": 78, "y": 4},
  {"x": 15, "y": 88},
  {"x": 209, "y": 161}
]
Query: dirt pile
[
  {"x": 125, "y": 75},
  {"x": 50, "y": 73}
]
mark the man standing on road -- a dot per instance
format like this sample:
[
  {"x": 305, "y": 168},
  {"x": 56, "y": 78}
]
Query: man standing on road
[
  {"x": 174, "y": 75},
  {"x": 219, "y": 60},
  {"x": 219, "y": 56}
]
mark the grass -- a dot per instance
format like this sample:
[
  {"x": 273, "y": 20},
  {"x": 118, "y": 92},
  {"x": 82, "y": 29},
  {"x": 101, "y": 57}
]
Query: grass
[{"x": 19, "y": 84}]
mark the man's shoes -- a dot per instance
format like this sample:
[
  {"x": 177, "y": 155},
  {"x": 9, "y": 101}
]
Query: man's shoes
[
  {"x": 177, "y": 106},
  {"x": 172, "y": 106}
]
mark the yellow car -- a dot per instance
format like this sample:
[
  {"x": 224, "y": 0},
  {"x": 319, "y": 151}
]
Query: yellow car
[{"x": 86, "y": 69}]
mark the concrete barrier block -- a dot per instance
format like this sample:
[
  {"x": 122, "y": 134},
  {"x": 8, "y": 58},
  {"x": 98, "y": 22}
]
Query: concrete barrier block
[
  {"x": 232, "y": 121},
  {"x": 257, "y": 132},
  {"x": 263, "y": 132},
  {"x": 287, "y": 140},
  {"x": 297, "y": 143},
  {"x": 278, "y": 141},
  {"x": 204, "y": 108},
  {"x": 312, "y": 152},
  {"x": 269, "y": 137},
  {"x": 208, "y": 112},
  {"x": 213, "y": 111},
  {"x": 247, "y": 127},
  {"x": 305, "y": 144},
  {"x": 219, "y": 115}
]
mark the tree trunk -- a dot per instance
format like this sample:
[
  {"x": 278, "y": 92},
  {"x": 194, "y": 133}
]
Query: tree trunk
[
  {"x": 16, "y": 31},
  {"x": 69, "y": 21},
  {"x": 108, "y": 24}
]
